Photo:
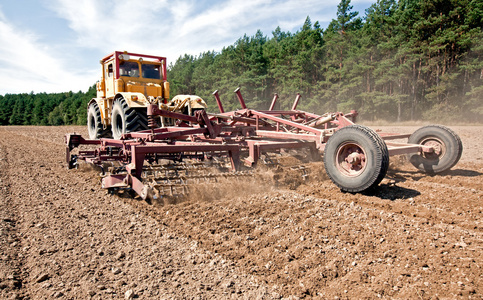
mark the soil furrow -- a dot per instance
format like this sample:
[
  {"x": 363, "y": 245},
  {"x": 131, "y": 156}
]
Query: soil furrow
[{"x": 11, "y": 260}]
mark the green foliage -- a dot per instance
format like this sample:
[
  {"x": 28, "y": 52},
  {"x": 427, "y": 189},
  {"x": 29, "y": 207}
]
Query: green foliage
[
  {"x": 45, "y": 109},
  {"x": 403, "y": 60}
]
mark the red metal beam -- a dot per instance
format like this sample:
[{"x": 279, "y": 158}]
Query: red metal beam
[
  {"x": 286, "y": 122},
  {"x": 218, "y": 101},
  {"x": 139, "y": 152},
  {"x": 393, "y": 136},
  {"x": 296, "y": 102},
  {"x": 255, "y": 147},
  {"x": 172, "y": 133},
  {"x": 240, "y": 98},
  {"x": 274, "y": 100},
  {"x": 403, "y": 148}
]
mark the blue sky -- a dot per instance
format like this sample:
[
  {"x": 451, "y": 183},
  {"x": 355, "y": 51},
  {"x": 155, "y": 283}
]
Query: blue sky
[{"x": 55, "y": 45}]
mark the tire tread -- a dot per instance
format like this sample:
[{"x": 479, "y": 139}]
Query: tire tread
[{"x": 381, "y": 164}]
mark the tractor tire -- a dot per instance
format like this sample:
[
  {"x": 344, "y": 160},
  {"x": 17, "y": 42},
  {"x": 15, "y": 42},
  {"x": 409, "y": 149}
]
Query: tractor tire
[
  {"x": 125, "y": 119},
  {"x": 356, "y": 158},
  {"x": 447, "y": 144},
  {"x": 94, "y": 123}
]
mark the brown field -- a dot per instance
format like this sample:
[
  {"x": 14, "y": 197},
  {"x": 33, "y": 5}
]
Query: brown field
[{"x": 62, "y": 236}]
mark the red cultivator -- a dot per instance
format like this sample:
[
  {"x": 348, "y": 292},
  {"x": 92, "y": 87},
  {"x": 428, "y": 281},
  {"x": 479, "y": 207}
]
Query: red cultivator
[{"x": 356, "y": 158}]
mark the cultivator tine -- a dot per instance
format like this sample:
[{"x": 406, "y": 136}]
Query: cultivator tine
[
  {"x": 179, "y": 179},
  {"x": 302, "y": 170}
]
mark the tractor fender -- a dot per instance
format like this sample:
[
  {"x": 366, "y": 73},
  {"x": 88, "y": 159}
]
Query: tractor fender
[
  {"x": 91, "y": 101},
  {"x": 135, "y": 100}
]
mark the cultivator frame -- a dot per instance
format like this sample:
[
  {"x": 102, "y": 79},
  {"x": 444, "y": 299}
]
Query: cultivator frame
[{"x": 357, "y": 162}]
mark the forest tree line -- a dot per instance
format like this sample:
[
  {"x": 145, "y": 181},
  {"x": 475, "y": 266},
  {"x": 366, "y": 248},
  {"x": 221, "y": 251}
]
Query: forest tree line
[
  {"x": 403, "y": 60},
  {"x": 45, "y": 109}
]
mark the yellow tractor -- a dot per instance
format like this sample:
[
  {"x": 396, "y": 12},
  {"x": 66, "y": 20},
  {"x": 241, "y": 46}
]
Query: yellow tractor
[{"x": 130, "y": 82}]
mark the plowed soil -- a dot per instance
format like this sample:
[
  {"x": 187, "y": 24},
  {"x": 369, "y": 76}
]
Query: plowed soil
[{"x": 277, "y": 237}]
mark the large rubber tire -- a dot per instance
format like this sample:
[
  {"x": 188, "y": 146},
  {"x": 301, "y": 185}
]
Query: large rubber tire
[
  {"x": 94, "y": 123},
  {"x": 125, "y": 119},
  {"x": 356, "y": 158},
  {"x": 447, "y": 144}
]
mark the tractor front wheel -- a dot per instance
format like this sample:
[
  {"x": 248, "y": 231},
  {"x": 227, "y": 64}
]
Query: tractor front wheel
[
  {"x": 356, "y": 158},
  {"x": 446, "y": 144},
  {"x": 94, "y": 123},
  {"x": 125, "y": 119}
]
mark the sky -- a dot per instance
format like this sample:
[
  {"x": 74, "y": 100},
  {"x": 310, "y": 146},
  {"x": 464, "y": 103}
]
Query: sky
[{"x": 55, "y": 45}]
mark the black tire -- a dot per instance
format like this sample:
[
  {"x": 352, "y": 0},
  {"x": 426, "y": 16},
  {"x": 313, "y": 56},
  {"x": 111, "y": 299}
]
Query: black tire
[
  {"x": 125, "y": 119},
  {"x": 447, "y": 144},
  {"x": 94, "y": 123},
  {"x": 368, "y": 154}
]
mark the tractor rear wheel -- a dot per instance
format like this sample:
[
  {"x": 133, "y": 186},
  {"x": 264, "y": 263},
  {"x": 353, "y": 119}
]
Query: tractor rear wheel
[
  {"x": 94, "y": 123},
  {"x": 447, "y": 147},
  {"x": 125, "y": 119},
  {"x": 356, "y": 158}
]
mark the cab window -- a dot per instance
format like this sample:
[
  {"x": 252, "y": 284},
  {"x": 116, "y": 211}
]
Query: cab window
[
  {"x": 151, "y": 71},
  {"x": 109, "y": 70},
  {"x": 128, "y": 68}
]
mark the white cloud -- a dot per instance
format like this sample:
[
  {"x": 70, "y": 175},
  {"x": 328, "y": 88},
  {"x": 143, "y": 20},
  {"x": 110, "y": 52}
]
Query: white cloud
[
  {"x": 179, "y": 27},
  {"x": 27, "y": 65},
  {"x": 90, "y": 29},
  {"x": 111, "y": 25}
]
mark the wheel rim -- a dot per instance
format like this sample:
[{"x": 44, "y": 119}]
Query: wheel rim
[
  {"x": 350, "y": 159},
  {"x": 438, "y": 146}
]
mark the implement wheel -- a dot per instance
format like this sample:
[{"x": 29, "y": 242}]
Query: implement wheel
[
  {"x": 125, "y": 119},
  {"x": 94, "y": 123},
  {"x": 356, "y": 158},
  {"x": 446, "y": 144}
]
